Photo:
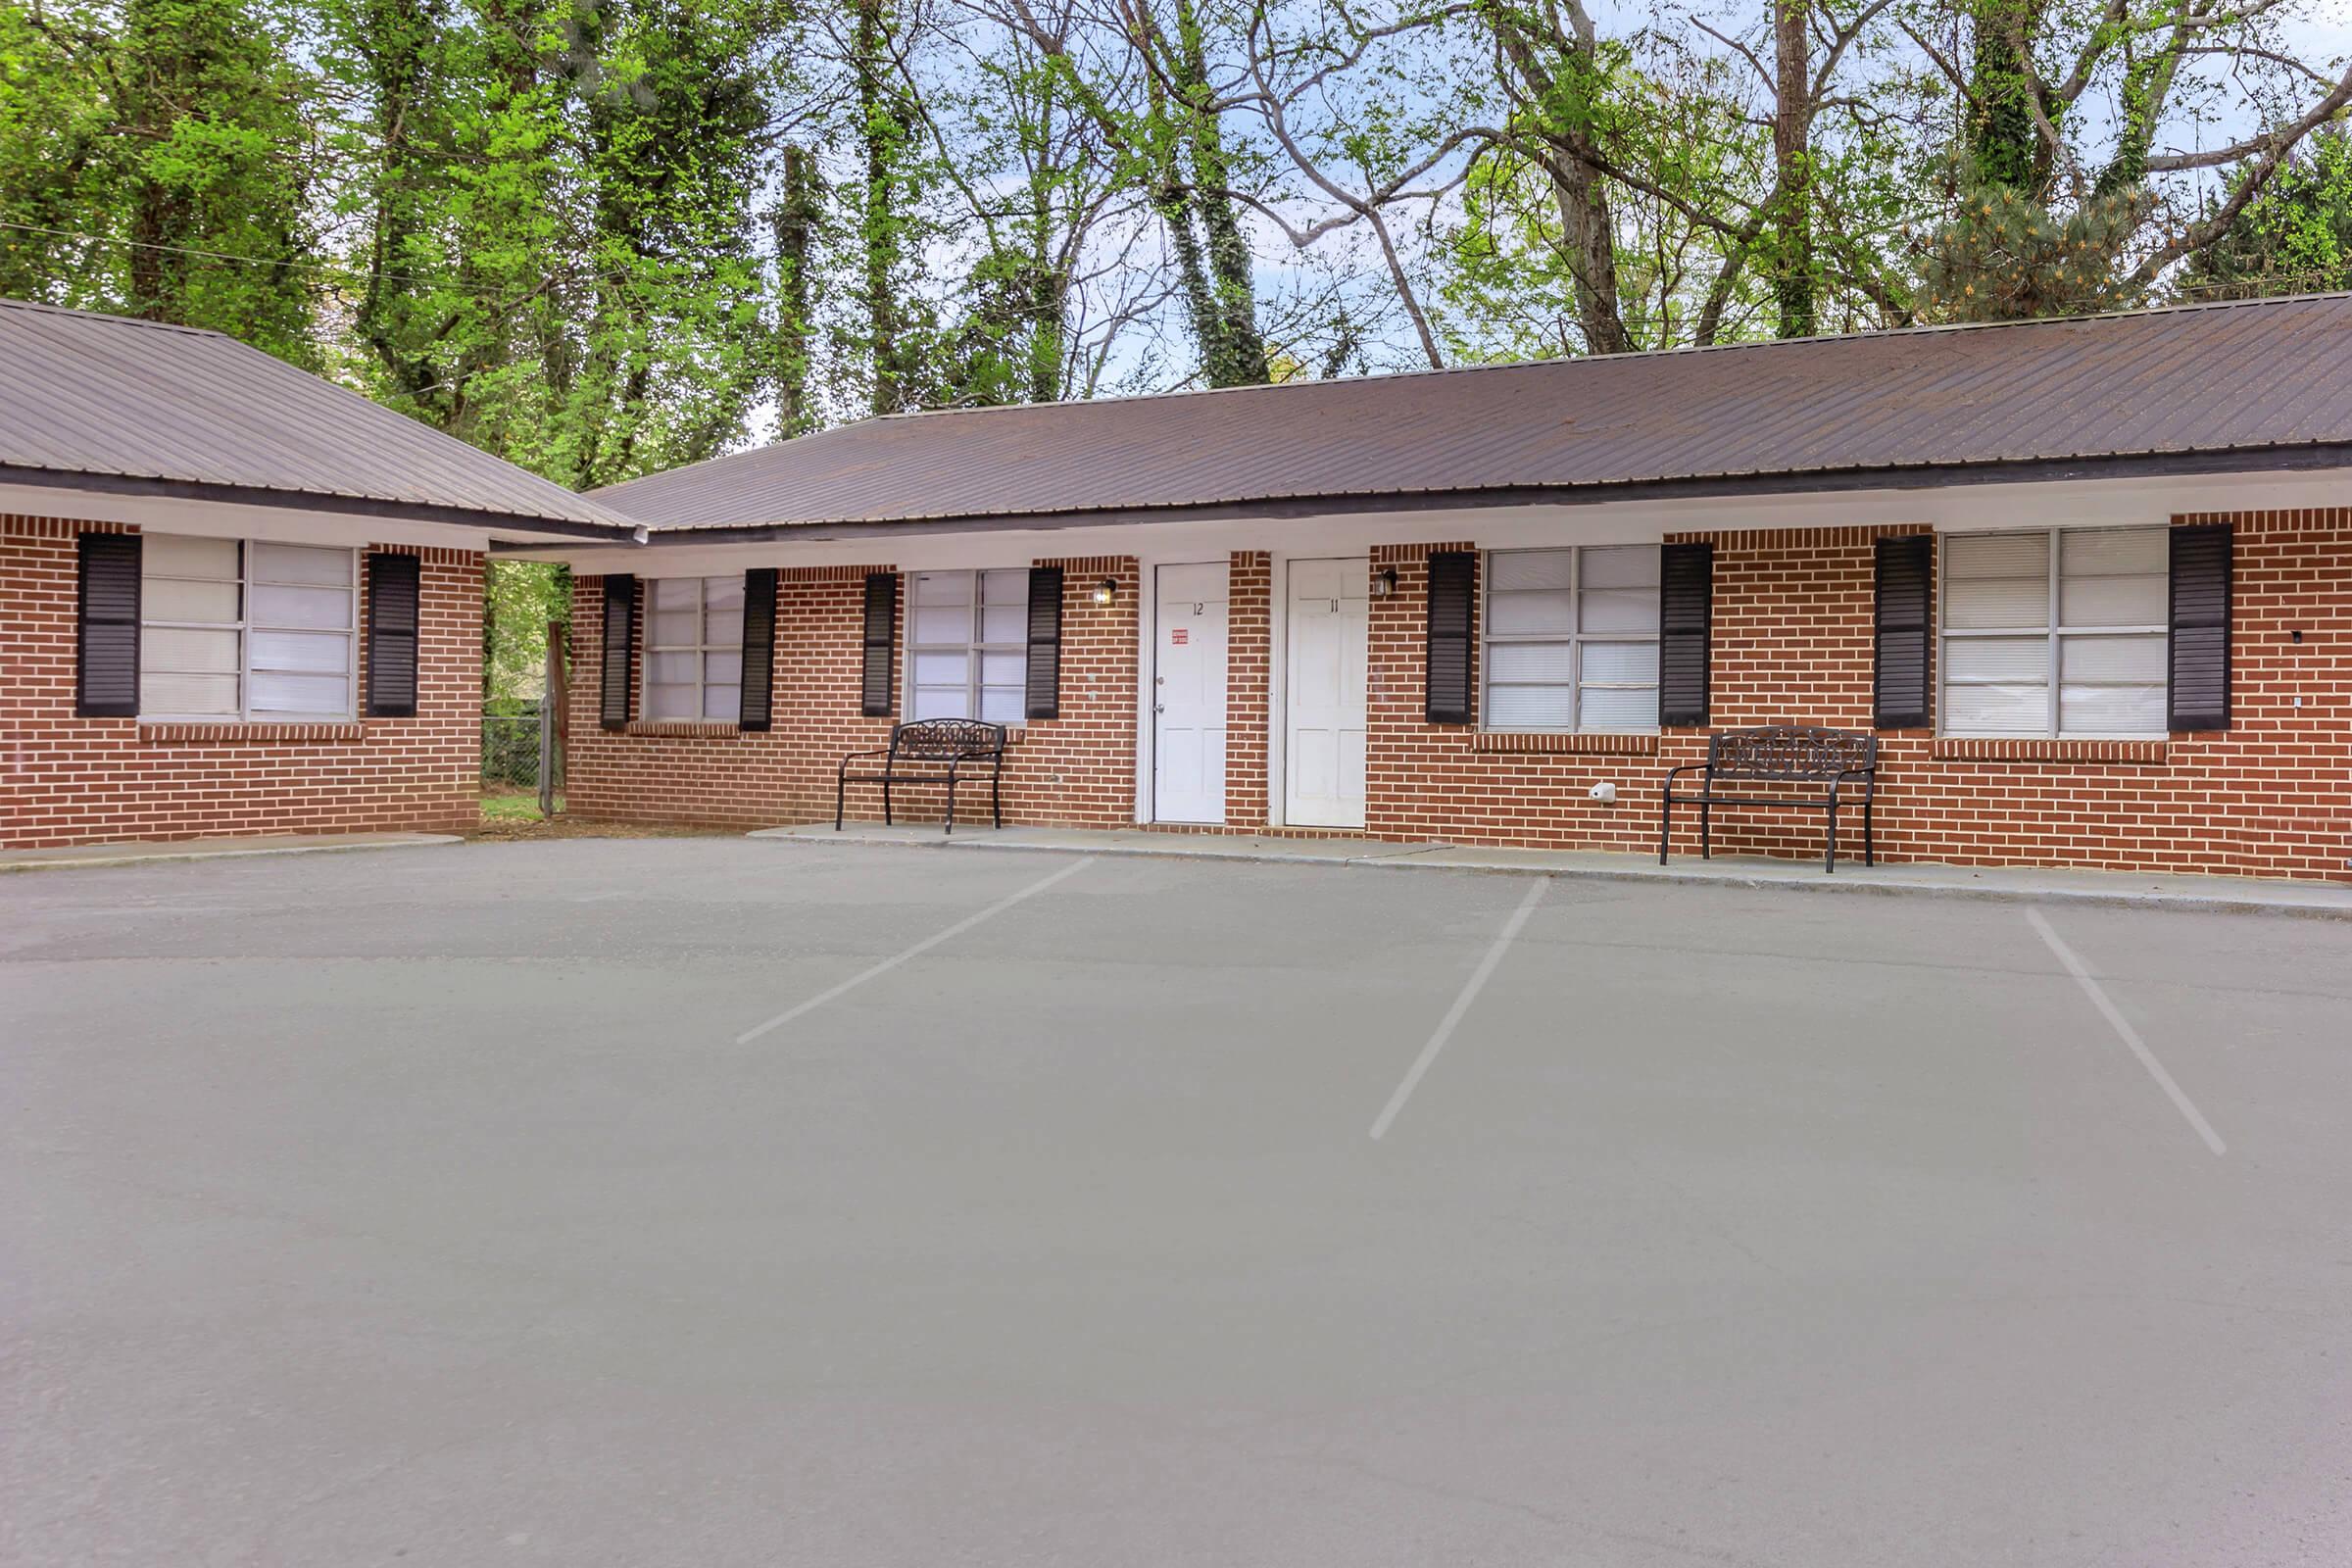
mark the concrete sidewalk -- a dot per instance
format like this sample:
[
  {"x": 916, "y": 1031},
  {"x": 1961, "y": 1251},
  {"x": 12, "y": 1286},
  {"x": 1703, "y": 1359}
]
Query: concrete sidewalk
[
  {"x": 140, "y": 851},
  {"x": 2015, "y": 884}
]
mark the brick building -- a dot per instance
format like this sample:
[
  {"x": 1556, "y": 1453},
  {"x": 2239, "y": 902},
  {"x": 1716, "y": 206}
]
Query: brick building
[
  {"x": 2089, "y": 582},
  {"x": 233, "y": 598}
]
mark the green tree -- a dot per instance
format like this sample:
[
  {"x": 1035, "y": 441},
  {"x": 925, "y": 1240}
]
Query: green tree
[
  {"x": 2296, "y": 236},
  {"x": 159, "y": 161},
  {"x": 552, "y": 207},
  {"x": 2003, "y": 256}
]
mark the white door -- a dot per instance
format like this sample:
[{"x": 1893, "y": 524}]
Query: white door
[
  {"x": 1188, "y": 696},
  {"x": 1323, "y": 742}
]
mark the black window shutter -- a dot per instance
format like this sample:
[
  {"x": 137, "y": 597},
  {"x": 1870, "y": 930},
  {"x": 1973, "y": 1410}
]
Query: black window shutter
[
  {"x": 2200, "y": 639},
  {"x": 881, "y": 641},
  {"x": 621, "y": 642},
  {"x": 759, "y": 648},
  {"x": 106, "y": 647},
  {"x": 1905, "y": 567},
  {"x": 1686, "y": 631},
  {"x": 1045, "y": 643},
  {"x": 1448, "y": 696},
  {"x": 392, "y": 591}
]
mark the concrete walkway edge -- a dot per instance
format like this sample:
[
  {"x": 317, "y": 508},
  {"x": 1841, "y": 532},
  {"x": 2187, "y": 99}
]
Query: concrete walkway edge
[
  {"x": 148, "y": 851},
  {"x": 1996, "y": 884}
]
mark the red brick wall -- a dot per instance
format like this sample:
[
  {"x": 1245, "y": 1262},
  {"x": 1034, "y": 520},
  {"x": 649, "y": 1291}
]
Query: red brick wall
[
  {"x": 2271, "y": 796},
  {"x": 1078, "y": 769},
  {"x": 1249, "y": 677},
  {"x": 1792, "y": 645},
  {"x": 72, "y": 780}
]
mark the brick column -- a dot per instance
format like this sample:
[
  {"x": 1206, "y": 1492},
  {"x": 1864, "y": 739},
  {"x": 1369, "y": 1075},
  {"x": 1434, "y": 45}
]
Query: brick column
[{"x": 1249, "y": 685}]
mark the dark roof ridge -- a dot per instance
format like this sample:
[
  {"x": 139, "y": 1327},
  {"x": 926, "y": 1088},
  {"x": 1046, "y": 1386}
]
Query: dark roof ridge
[{"x": 2176, "y": 308}]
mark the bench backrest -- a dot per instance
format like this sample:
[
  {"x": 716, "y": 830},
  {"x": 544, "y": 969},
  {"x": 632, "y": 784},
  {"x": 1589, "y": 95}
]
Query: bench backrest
[
  {"x": 1787, "y": 750},
  {"x": 942, "y": 740}
]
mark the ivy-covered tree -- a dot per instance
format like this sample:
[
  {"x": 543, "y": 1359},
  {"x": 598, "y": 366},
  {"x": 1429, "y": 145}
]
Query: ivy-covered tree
[{"x": 552, "y": 207}]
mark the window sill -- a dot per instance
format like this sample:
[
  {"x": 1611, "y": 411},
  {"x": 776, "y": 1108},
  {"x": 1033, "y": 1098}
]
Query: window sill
[
  {"x": 236, "y": 732},
  {"x": 1583, "y": 743},
  {"x": 1998, "y": 749},
  {"x": 705, "y": 729}
]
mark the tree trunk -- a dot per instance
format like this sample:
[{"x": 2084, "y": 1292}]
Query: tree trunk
[
  {"x": 883, "y": 138},
  {"x": 1556, "y": 107},
  {"x": 1793, "y": 281},
  {"x": 156, "y": 212},
  {"x": 795, "y": 235},
  {"x": 1588, "y": 242},
  {"x": 1239, "y": 358},
  {"x": 2147, "y": 83},
  {"x": 2008, "y": 150}
]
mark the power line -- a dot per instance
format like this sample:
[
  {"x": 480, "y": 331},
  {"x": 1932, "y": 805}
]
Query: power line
[
  {"x": 346, "y": 272},
  {"x": 343, "y": 271}
]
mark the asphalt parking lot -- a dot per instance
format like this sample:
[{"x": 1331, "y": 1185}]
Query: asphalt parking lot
[{"x": 711, "y": 1201}]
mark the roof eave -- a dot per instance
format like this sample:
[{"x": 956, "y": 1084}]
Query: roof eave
[
  {"x": 124, "y": 484},
  {"x": 2109, "y": 467}
]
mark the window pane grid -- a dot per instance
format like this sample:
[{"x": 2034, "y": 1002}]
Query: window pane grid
[
  {"x": 247, "y": 630},
  {"x": 2074, "y": 652},
  {"x": 968, "y": 646},
  {"x": 1571, "y": 639},
  {"x": 694, "y": 650}
]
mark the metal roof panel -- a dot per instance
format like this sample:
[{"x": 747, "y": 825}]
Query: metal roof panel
[
  {"x": 105, "y": 394},
  {"x": 2241, "y": 376}
]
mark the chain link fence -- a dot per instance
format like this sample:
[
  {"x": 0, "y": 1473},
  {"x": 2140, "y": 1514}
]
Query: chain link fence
[
  {"x": 516, "y": 736},
  {"x": 511, "y": 750}
]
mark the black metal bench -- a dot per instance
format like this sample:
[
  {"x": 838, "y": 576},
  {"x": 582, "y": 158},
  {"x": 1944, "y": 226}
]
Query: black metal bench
[
  {"x": 1784, "y": 753},
  {"x": 932, "y": 751}
]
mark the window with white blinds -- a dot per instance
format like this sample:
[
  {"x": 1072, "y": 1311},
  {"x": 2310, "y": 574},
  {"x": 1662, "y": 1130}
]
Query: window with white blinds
[
  {"x": 246, "y": 629},
  {"x": 694, "y": 648},
  {"x": 2059, "y": 632},
  {"x": 1571, "y": 639},
  {"x": 967, "y": 645}
]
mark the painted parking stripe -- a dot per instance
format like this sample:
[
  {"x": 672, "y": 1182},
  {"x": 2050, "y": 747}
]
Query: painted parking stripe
[
  {"x": 2124, "y": 1030},
  {"x": 1461, "y": 1005},
  {"x": 918, "y": 950}
]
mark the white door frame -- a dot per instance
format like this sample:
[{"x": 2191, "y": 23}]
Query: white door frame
[
  {"x": 1146, "y": 655},
  {"x": 1149, "y": 717},
  {"x": 1276, "y": 782},
  {"x": 1278, "y": 676},
  {"x": 1278, "y": 687}
]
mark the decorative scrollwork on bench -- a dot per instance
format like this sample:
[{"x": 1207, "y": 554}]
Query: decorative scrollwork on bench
[
  {"x": 1780, "y": 752},
  {"x": 931, "y": 751}
]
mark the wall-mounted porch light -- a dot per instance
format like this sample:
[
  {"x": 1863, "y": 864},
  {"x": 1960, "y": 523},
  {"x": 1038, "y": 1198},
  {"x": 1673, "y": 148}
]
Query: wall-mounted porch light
[
  {"x": 1384, "y": 582},
  {"x": 1107, "y": 590}
]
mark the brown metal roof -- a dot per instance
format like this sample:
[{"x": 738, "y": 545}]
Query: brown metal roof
[
  {"x": 103, "y": 401},
  {"x": 2270, "y": 379}
]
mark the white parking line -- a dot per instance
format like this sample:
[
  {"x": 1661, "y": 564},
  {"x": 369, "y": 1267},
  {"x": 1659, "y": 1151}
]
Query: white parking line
[
  {"x": 2129, "y": 1035},
  {"x": 920, "y": 947},
  {"x": 1461, "y": 1005}
]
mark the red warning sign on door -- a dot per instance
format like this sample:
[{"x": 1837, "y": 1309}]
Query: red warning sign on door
[{"x": 1180, "y": 635}]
